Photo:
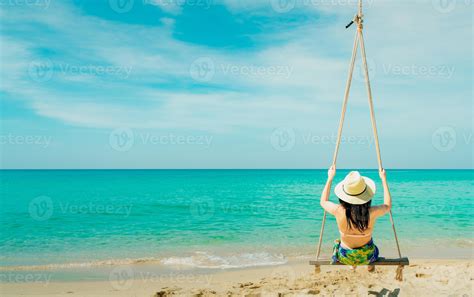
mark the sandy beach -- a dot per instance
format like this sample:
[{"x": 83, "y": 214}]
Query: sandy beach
[{"x": 421, "y": 278}]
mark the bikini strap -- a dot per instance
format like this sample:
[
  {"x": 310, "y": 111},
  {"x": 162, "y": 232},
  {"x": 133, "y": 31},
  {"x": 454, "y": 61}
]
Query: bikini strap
[{"x": 354, "y": 235}]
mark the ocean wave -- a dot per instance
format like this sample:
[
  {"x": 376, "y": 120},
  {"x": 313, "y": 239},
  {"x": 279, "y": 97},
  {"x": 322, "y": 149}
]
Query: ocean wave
[
  {"x": 197, "y": 260},
  {"x": 464, "y": 242},
  {"x": 112, "y": 262},
  {"x": 211, "y": 261}
]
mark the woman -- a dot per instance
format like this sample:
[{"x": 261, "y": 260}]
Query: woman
[{"x": 355, "y": 217}]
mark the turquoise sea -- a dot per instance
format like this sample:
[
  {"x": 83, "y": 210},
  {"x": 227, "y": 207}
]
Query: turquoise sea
[{"x": 213, "y": 219}]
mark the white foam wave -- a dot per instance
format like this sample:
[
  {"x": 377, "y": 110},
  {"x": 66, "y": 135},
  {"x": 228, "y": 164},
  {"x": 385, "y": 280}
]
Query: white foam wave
[
  {"x": 196, "y": 260},
  {"x": 206, "y": 260},
  {"x": 79, "y": 265}
]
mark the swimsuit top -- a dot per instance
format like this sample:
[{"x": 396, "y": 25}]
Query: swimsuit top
[{"x": 355, "y": 235}]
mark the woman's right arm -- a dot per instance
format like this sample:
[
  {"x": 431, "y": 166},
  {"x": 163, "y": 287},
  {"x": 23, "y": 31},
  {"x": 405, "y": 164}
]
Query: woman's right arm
[
  {"x": 380, "y": 210},
  {"x": 325, "y": 203}
]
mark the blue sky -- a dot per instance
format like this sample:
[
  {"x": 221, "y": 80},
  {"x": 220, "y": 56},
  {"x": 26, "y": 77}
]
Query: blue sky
[{"x": 232, "y": 84}]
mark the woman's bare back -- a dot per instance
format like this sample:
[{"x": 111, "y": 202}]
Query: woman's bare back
[{"x": 353, "y": 238}]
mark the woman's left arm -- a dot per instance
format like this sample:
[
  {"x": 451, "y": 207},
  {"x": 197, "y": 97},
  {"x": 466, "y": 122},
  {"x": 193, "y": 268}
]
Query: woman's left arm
[{"x": 325, "y": 203}]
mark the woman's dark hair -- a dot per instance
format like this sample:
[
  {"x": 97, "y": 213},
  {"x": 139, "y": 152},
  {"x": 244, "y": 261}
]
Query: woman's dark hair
[{"x": 357, "y": 216}]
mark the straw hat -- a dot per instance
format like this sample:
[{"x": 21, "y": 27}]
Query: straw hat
[{"x": 355, "y": 189}]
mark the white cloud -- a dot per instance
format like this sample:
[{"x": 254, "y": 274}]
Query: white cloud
[
  {"x": 170, "y": 6},
  {"x": 245, "y": 91}
]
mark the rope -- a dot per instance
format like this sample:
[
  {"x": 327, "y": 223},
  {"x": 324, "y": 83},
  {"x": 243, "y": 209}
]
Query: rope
[
  {"x": 346, "y": 99},
  {"x": 399, "y": 275},
  {"x": 371, "y": 104},
  {"x": 339, "y": 132},
  {"x": 321, "y": 236},
  {"x": 359, "y": 39}
]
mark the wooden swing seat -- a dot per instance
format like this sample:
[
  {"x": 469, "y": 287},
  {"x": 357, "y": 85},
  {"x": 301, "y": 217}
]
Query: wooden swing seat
[{"x": 381, "y": 261}]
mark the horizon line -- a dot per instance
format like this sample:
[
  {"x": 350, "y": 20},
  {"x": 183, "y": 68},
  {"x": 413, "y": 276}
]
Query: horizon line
[{"x": 164, "y": 169}]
